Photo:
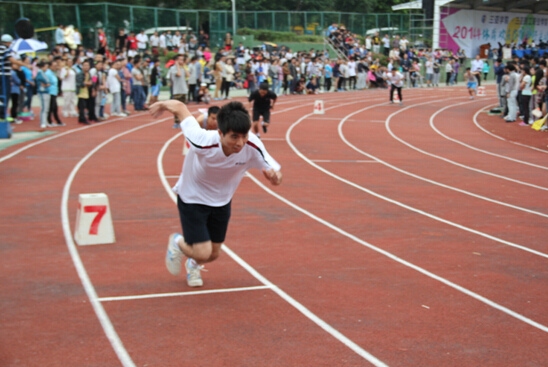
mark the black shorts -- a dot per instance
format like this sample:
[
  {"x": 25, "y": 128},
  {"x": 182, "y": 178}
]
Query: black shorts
[
  {"x": 203, "y": 223},
  {"x": 259, "y": 113}
]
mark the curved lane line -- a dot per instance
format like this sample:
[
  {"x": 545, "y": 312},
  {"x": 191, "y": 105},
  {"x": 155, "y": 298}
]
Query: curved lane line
[
  {"x": 12, "y": 154},
  {"x": 108, "y": 328},
  {"x": 453, "y": 162},
  {"x": 288, "y": 138},
  {"x": 306, "y": 312},
  {"x": 500, "y": 137},
  {"x": 478, "y": 149},
  {"x": 404, "y": 262},
  {"x": 343, "y": 138}
]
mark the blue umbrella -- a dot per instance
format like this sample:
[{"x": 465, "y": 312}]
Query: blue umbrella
[{"x": 22, "y": 46}]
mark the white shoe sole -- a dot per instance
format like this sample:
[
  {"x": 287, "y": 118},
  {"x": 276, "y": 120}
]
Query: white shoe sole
[{"x": 173, "y": 261}]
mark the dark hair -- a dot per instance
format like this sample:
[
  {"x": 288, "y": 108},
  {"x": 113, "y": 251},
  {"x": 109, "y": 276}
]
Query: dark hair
[
  {"x": 136, "y": 59},
  {"x": 213, "y": 110},
  {"x": 233, "y": 117},
  {"x": 542, "y": 62},
  {"x": 511, "y": 67},
  {"x": 263, "y": 86},
  {"x": 539, "y": 74}
]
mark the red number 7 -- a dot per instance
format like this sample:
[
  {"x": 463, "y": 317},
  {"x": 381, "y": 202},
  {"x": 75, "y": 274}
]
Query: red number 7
[{"x": 100, "y": 210}]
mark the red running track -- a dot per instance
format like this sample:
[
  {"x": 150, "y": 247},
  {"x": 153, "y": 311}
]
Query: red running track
[{"x": 400, "y": 237}]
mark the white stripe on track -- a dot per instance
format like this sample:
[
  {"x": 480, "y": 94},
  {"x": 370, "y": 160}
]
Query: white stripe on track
[
  {"x": 343, "y": 138},
  {"x": 404, "y": 262},
  {"x": 477, "y": 149},
  {"x": 325, "y": 326},
  {"x": 108, "y": 328},
  {"x": 180, "y": 294},
  {"x": 288, "y": 137},
  {"x": 500, "y": 137},
  {"x": 451, "y": 161},
  {"x": 12, "y": 154}
]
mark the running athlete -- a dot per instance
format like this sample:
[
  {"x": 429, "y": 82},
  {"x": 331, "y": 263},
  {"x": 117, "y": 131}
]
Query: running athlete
[
  {"x": 208, "y": 118},
  {"x": 264, "y": 101},
  {"x": 471, "y": 78},
  {"x": 213, "y": 169}
]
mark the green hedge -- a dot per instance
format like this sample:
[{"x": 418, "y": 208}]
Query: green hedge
[{"x": 272, "y": 36}]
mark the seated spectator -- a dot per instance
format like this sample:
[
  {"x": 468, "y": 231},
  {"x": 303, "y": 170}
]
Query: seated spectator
[
  {"x": 312, "y": 86},
  {"x": 300, "y": 87}
]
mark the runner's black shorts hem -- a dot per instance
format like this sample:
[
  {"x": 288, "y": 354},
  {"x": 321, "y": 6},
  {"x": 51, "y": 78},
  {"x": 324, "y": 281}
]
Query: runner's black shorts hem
[
  {"x": 202, "y": 223},
  {"x": 258, "y": 113}
]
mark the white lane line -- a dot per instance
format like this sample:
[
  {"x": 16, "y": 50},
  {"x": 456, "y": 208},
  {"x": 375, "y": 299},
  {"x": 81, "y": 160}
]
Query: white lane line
[
  {"x": 108, "y": 328},
  {"x": 387, "y": 124},
  {"x": 174, "y": 176},
  {"x": 12, "y": 154},
  {"x": 288, "y": 137},
  {"x": 179, "y": 294},
  {"x": 501, "y": 138},
  {"x": 404, "y": 262},
  {"x": 477, "y": 149},
  {"x": 341, "y": 161},
  {"x": 325, "y": 326},
  {"x": 343, "y": 138}
]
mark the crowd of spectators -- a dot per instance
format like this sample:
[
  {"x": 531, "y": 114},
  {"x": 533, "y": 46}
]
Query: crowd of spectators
[{"x": 133, "y": 74}]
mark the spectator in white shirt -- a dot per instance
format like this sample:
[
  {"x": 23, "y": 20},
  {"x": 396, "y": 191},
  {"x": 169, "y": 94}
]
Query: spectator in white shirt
[
  {"x": 142, "y": 40},
  {"x": 477, "y": 67}
]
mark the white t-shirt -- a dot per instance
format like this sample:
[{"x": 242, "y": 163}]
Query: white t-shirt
[
  {"x": 477, "y": 65},
  {"x": 209, "y": 177},
  {"x": 351, "y": 68},
  {"x": 396, "y": 78},
  {"x": 112, "y": 82},
  {"x": 176, "y": 41},
  {"x": 77, "y": 39},
  {"x": 527, "y": 90},
  {"x": 429, "y": 67},
  {"x": 162, "y": 42},
  {"x": 142, "y": 40},
  {"x": 68, "y": 76},
  {"x": 154, "y": 41}
]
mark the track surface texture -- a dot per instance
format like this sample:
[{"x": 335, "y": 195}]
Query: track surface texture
[{"x": 409, "y": 235}]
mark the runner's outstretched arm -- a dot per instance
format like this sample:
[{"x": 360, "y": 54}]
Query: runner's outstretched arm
[{"x": 175, "y": 107}]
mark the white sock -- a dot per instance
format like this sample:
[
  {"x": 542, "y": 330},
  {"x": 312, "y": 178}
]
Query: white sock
[{"x": 193, "y": 263}]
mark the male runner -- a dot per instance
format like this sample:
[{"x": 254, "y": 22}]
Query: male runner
[
  {"x": 264, "y": 102},
  {"x": 213, "y": 169},
  {"x": 208, "y": 118}
]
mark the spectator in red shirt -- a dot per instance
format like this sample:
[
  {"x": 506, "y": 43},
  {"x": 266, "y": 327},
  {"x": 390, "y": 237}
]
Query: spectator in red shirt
[
  {"x": 102, "y": 41},
  {"x": 132, "y": 41}
]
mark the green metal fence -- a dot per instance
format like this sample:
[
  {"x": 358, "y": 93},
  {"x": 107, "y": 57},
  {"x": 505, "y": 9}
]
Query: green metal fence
[{"x": 89, "y": 16}]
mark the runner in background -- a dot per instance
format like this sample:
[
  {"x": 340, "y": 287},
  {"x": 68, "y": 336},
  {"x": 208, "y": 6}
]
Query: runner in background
[
  {"x": 263, "y": 101},
  {"x": 471, "y": 79}
]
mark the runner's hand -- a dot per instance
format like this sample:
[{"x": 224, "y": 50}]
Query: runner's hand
[{"x": 275, "y": 177}]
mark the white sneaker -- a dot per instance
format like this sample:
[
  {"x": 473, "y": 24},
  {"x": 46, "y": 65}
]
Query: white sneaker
[
  {"x": 174, "y": 254},
  {"x": 193, "y": 277}
]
